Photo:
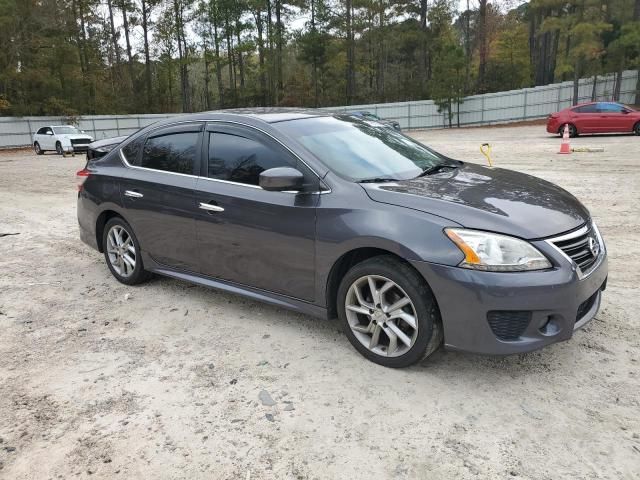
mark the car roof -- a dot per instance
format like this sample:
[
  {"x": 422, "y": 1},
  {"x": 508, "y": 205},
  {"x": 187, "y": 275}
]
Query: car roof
[{"x": 266, "y": 114}]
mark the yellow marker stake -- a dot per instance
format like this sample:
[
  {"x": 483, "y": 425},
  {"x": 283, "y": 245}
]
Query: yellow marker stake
[{"x": 485, "y": 149}]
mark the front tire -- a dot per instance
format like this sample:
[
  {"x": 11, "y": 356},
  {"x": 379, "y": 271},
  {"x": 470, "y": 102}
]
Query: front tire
[
  {"x": 122, "y": 252},
  {"x": 573, "y": 131},
  {"x": 59, "y": 149},
  {"x": 636, "y": 128},
  {"x": 38, "y": 150},
  {"x": 388, "y": 312}
]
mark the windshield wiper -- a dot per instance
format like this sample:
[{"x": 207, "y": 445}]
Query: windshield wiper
[
  {"x": 435, "y": 168},
  {"x": 378, "y": 180}
]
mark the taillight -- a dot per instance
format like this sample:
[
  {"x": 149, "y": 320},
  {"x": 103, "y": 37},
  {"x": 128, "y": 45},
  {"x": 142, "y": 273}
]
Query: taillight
[{"x": 82, "y": 176}]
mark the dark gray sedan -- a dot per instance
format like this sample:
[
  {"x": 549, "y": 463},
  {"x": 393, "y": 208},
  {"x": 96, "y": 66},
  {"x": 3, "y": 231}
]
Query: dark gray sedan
[{"x": 329, "y": 215}]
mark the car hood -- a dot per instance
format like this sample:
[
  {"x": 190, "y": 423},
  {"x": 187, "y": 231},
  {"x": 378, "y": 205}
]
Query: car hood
[
  {"x": 492, "y": 199},
  {"x": 74, "y": 136}
]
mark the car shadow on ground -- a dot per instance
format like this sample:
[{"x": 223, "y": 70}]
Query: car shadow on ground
[{"x": 442, "y": 363}]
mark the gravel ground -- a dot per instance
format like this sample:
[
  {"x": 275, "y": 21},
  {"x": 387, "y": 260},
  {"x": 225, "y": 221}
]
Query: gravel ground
[{"x": 170, "y": 380}]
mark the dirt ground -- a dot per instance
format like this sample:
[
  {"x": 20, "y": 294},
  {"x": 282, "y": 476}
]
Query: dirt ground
[{"x": 170, "y": 380}]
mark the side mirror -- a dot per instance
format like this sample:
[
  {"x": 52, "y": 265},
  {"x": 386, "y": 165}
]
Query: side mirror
[
  {"x": 49, "y": 132},
  {"x": 281, "y": 179}
]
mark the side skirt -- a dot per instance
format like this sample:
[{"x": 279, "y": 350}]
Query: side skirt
[{"x": 250, "y": 292}]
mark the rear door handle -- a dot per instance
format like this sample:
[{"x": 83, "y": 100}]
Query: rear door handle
[
  {"x": 211, "y": 208},
  {"x": 132, "y": 194}
]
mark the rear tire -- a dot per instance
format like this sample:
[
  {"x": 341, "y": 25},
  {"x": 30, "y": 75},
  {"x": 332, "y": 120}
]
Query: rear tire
[
  {"x": 122, "y": 252},
  {"x": 38, "y": 150},
  {"x": 636, "y": 128},
  {"x": 59, "y": 149},
  {"x": 372, "y": 320}
]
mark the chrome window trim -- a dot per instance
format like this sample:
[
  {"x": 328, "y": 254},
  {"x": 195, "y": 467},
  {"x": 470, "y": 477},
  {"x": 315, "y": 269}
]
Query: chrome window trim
[
  {"x": 128, "y": 165},
  {"x": 577, "y": 233}
]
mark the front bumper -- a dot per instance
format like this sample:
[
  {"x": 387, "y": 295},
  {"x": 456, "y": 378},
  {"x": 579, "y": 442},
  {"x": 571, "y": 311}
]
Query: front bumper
[{"x": 559, "y": 303}]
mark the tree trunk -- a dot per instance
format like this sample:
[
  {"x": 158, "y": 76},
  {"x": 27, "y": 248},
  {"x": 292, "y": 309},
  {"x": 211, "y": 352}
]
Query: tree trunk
[
  {"x": 240, "y": 59},
  {"x": 216, "y": 46},
  {"x": 207, "y": 78},
  {"x": 576, "y": 81},
  {"x": 350, "y": 72},
  {"x": 314, "y": 65},
  {"x": 594, "y": 88},
  {"x": 270, "y": 50},
  {"x": 182, "y": 55},
  {"x": 262, "y": 76},
  {"x": 125, "y": 24},
  {"x": 279, "y": 28},
  {"x": 636, "y": 18},
  {"x": 422, "y": 76},
  {"x": 232, "y": 67},
  {"x": 380, "y": 67},
  {"x": 482, "y": 44},
  {"x": 147, "y": 57},
  {"x": 617, "y": 84},
  {"x": 114, "y": 38}
]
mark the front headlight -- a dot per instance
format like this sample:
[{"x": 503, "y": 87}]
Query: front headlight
[{"x": 496, "y": 253}]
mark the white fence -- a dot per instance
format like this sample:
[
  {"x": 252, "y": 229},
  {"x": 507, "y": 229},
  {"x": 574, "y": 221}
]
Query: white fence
[
  {"x": 18, "y": 131},
  {"x": 503, "y": 107}
]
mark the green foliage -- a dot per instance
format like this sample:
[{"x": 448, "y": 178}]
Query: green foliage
[{"x": 62, "y": 57}]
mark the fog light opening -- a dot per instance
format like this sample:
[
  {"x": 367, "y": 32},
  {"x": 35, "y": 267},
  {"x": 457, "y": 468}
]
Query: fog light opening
[{"x": 549, "y": 325}]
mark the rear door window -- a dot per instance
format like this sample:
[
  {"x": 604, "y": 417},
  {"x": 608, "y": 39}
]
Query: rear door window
[{"x": 171, "y": 152}]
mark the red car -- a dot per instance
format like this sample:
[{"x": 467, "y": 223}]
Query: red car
[{"x": 595, "y": 117}]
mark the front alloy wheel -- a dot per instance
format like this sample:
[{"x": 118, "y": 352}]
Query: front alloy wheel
[
  {"x": 388, "y": 312},
  {"x": 381, "y": 316},
  {"x": 59, "y": 149}
]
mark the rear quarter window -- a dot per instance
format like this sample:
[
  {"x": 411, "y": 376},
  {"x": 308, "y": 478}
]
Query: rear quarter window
[{"x": 131, "y": 151}]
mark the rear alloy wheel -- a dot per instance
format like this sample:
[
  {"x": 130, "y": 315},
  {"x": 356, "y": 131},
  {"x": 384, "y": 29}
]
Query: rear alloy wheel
[
  {"x": 38, "y": 150},
  {"x": 388, "y": 312},
  {"x": 573, "y": 131},
  {"x": 122, "y": 252},
  {"x": 59, "y": 149}
]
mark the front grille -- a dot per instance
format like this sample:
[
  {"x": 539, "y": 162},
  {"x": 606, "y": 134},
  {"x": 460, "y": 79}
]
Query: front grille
[
  {"x": 508, "y": 324},
  {"x": 583, "y": 247},
  {"x": 80, "y": 141}
]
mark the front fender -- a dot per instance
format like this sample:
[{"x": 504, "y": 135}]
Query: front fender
[{"x": 407, "y": 233}]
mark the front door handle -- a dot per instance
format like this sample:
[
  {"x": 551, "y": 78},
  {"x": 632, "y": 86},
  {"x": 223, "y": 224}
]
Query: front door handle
[
  {"x": 132, "y": 194},
  {"x": 211, "y": 208}
]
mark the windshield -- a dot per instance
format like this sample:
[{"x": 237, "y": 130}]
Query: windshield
[
  {"x": 358, "y": 150},
  {"x": 66, "y": 130}
]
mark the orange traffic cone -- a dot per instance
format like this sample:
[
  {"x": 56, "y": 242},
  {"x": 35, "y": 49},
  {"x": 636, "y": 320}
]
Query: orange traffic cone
[{"x": 564, "y": 147}]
